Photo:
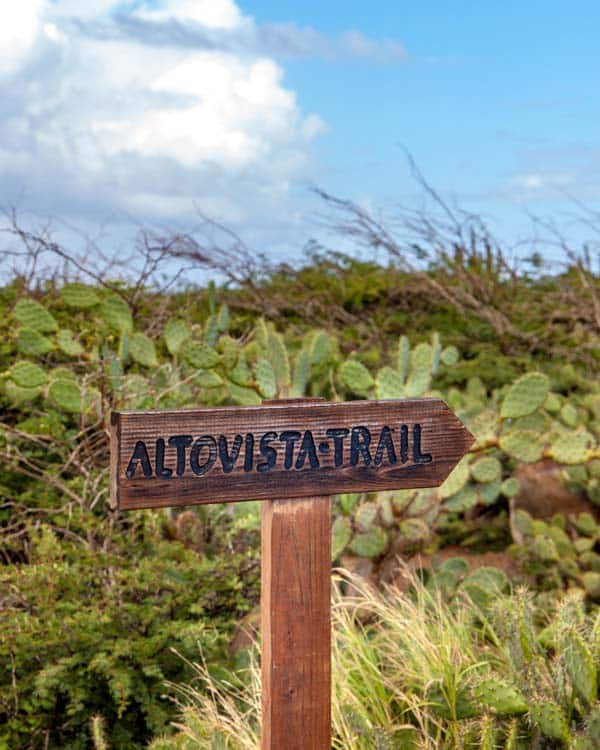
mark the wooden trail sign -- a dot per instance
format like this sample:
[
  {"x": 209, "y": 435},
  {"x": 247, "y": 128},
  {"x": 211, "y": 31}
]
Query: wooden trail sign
[
  {"x": 281, "y": 450},
  {"x": 303, "y": 450}
]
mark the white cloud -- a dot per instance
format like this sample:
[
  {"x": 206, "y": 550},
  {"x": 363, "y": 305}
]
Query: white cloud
[
  {"x": 212, "y": 14},
  {"x": 93, "y": 125},
  {"x": 20, "y": 25}
]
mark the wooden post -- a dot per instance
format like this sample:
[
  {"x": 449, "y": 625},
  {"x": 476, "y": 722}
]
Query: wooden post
[
  {"x": 295, "y": 613},
  {"x": 295, "y": 622}
]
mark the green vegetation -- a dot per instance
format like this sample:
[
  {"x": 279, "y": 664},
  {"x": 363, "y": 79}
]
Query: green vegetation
[
  {"x": 103, "y": 614},
  {"x": 438, "y": 668}
]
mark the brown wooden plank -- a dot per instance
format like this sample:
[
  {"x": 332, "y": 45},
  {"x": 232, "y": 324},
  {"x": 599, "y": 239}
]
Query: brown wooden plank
[
  {"x": 423, "y": 443},
  {"x": 295, "y": 620}
]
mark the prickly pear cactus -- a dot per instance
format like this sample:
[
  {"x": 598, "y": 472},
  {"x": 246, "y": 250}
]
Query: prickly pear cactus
[
  {"x": 28, "y": 375},
  {"x": 142, "y": 351},
  {"x": 551, "y": 720},
  {"x": 115, "y": 312},
  {"x": 31, "y": 314},
  {"x": 502, "y": 697},
  {"x": 79, "y": 296},
  {"x": 580, "y": 666},
  {"x": 356, "y": 377},
  {"x": 175, "y": 334},
  {"x": 526, "y": 395}
]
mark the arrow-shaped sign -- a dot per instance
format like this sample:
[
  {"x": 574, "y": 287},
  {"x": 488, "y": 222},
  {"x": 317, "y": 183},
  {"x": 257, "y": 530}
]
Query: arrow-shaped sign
[{"x": 286, "y": 449}]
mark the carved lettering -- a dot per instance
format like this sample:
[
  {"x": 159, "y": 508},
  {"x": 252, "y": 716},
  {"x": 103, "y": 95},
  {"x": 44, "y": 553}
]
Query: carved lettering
[
  {"x": 249, "y": 452},
  {"x": 290, "y": 450},
  {"x": 139, "y": 456},
  {"x": 289, "y": 437},
  {"x": 360, "y": 439},
  {"x": 418, "y": 457},
  {"x": 161, "y": 470},
  {"x": 307, "y": 449},
  {"x": 385, "y": 444},
  {"x": 206, "y": 441},
  {"x": 268, "y": 452},
  {"x": 181, "y": 442},
  {"x": 228, "y": 460},
  {"x": 338, "y": 434}
]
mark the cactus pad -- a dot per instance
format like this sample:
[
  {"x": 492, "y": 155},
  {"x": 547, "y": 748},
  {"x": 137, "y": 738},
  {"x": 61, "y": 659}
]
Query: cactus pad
[
  {"x": 490, "y": 492},
  {"x": 229, "y": 349},
  {"x": 211, "y": 331},
  {"x": 544, "y": 548},
  {"x": 66, "y": 394},
  {"x": 319, "y": 349},
  {"x": 278, "y": 357},
  {"x": 142, "y": 351},
  {"x": 418, "y": 383},
  {"x": 580, "y": 666},
  {"x": 550, "y": 719},
  {"x": 449, "y": 356},
  {"x": 591, "y": 584},
  {"x": 223, "y": 319},
  {"x": 389, "y": 384},
  {"x": 79, "y": 296},
  {"x": 486, "y": 469},
  {"x": 421, "y": 357},
  {"x": 462, "y": 501},
  {"x": 484, "y": 425},
  {"x": 552, "y": 403},
  {"x": 524, "y": 445},
  {"x": 28, "y": 375},
  {"x": 372, "y": 543},
  {"x": 200, "y": 356},
  {"x": 356, "y": 377},
  {"x": 502, "y": 697},
  {"x": 403, "y": 357},
  {"x": 243, "y": 396},
  {"x": 18, "y": 395},
  {"x": 301, "y": 373},
  {"x": 456, "y": 480},
  {"x": 115, "y": 312},
  {"x": 207, "y": 379},
  {"x": 31, "y": 314},
  {"x": 264, "y": 375},
  {"x": 32, "y": 343},
  {"x": 569, "y": 415},
  {"x": 585, "y": 524},
  {"x": 68, "y": 344},
  {"x": 366, "y": 516},
  {"x": 341, "y": 532},
  {"x": 510, "y": 487},
  {"x": 526, "y": 395},
  {"x": 176, "y": 333},
  {"x": 572, "y": 447},
  {"x": 240, "y": 374}
]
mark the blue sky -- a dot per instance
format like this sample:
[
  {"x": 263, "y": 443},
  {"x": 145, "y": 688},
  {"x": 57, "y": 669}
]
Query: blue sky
[
  {"x": 151, "y": 111},
  {"x": 497, "y": 103}
]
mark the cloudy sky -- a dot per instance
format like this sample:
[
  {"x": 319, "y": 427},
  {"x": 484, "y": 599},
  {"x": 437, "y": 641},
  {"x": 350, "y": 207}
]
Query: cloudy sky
[{"x": 152, "y": 111}]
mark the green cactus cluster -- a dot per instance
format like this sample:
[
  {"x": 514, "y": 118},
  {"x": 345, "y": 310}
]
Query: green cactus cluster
[
  {"x": 560, "y": 552},
  {"x": 410, "y": 377},
  {"x": 370, "y": 525},
  {"x": 549, "y": 691}
]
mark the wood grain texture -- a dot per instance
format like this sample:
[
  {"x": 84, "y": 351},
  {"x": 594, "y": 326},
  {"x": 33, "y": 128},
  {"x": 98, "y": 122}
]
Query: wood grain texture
[
  {"x": 295, "y": 623},
  {"x": 283, "y": 450}
]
